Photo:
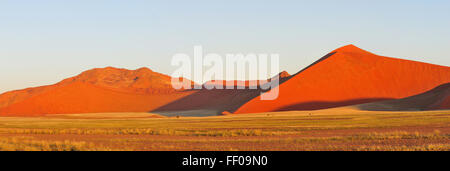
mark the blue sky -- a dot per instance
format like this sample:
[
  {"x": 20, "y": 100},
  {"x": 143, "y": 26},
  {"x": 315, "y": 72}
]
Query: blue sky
[{"x": 42, "y": 42}]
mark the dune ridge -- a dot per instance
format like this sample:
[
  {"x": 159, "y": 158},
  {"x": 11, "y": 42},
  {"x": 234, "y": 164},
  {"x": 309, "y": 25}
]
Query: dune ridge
[{"x": 349, "y": 76}]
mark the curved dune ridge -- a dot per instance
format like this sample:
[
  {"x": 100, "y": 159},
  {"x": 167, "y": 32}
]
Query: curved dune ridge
[
  {"x": 437, "y": 98},
  {"x": 349, "y": 76}
]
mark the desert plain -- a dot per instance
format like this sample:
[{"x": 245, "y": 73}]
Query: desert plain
[{"x": 338, "y": 129}]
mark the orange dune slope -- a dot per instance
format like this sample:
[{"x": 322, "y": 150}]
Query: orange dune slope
[
  {"x": 97, "y": 90},
  {"x": 142, "y": 80},
  {"x": 86, "y": 98},
  {"x": 120, "y": 90},
  {"x": 348, "y": 76},
  {"x": 437, "y": 98}
]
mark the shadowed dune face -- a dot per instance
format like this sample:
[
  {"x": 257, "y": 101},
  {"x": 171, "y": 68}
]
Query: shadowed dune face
[
  {"x": 207, "y": 102},
  {"x": 348, "y": 74},
  {"x": 436, "y": 98},
  {"x": 212, "y": 102},
  {"x": 316, "y": 105},
  {"x": 445, "y": 104}
]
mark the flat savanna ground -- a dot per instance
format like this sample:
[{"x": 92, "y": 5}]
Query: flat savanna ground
[{"x": 337, "y": 129}]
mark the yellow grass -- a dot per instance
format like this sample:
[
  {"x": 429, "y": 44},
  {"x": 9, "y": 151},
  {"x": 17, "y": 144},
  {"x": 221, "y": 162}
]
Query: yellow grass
[{"x": 336, "y": 129}]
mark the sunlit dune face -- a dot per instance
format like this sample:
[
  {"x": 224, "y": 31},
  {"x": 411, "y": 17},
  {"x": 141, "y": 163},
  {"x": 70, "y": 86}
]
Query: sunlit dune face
[{"x": 350, "y": 76}]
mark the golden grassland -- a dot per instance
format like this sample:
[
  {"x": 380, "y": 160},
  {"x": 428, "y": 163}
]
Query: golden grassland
[{"x": 335, "y": 129}]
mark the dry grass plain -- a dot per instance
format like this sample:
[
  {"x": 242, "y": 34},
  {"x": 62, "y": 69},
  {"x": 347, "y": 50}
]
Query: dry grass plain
[{"x": 340, "y": 129}]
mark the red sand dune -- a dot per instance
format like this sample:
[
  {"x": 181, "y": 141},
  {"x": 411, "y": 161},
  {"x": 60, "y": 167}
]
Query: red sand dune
[
  {"x": 97, "y": 90},
  {"x": 437, "y": 98},
  {"x": 142, "y": 80},
  {"x": 82, "y": 97},
  {"x": 349, "y": 76},
  {"x": 120, "y": 90},
  {"x": 12, "y": 97}
]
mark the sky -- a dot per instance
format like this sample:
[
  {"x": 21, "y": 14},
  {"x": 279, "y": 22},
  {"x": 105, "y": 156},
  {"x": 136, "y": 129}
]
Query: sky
[{"x": 43, "y": 42}]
